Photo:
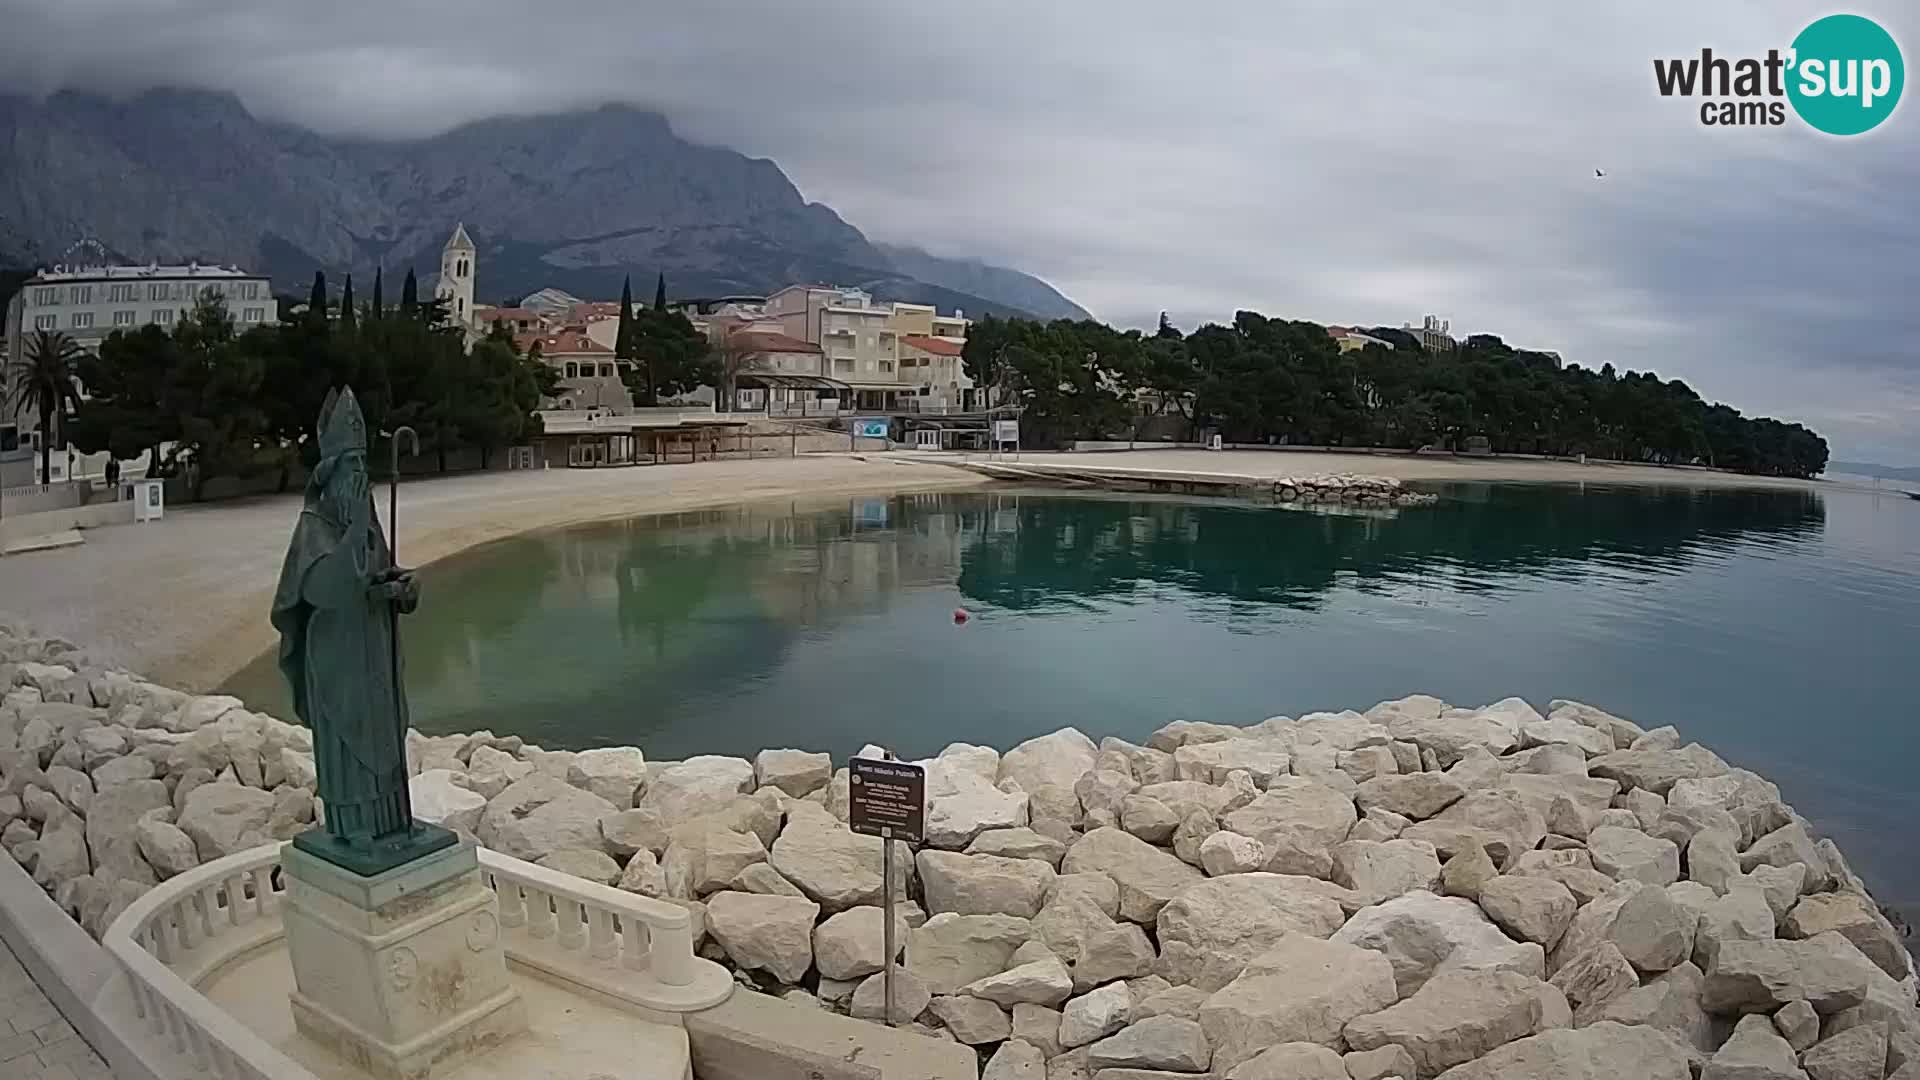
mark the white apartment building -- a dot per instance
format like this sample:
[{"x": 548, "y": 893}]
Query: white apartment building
[
  {"x": 87, "y": 303},
  {"x": 1435, "y": 334}
]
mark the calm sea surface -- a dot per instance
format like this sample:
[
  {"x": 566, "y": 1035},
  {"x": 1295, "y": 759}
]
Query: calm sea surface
[{"x": 1781, "y": 629}]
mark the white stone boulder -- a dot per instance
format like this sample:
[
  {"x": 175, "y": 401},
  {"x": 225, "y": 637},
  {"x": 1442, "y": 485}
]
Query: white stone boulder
[
  {"x": 1415, "y": 795},
  {"x": 1210, "y": 763},
  {"x": 589, "y": 864},
  {"x": 1593, "y": 978},
  {"x": 438, "y": 800},
  {"x": 983, "y": 884},
  {"x": 961, "y": 806},
  {"x": 540, "y": 814},
  {"x": 1423, "y": 935},
  {"x": 1671, "y": 1002},
  {"x": 1094, "y": 1016},
  {"x": 705, "y": 855},
  {"x": 1631, "y": 854},
  {"x": 168, "y": 850},
  {"x": 1045, "y": 982},
  {"x": 1383, "y": 870},
  {"x": 1499, "y": 821},
  {"x": 869, "y": 1000},
  {"x": 111, "y": 817},
  {"x": 1850, "y": 914},
  {"x": 1565, "y": 730},
  {"x": 1655, "y": 770},
  {"x": 1653, "y": 932},
  {"x": 615, "y": 773},
  {"x": 223, "y": 818},
  {"x": 1300, "y": 990},
  {"x": 1762, "y": 976},
  {"x": 1754, "y": 1052},
  {"x": 1148, "y": 876},
  {"x": 1858, "y": 1053},
  {"x": 765, "y": 933},
  {"x": 624, "y": 832},
  {"x": 1380, "y": 1063},
  {"x": 1604, "y": 1051},
  {"x": 831, "y": 864},
  {"x": 491, "y": 771},
  {"x": 1213, "y": 929},
  {"x": 972, "y": 1021},
  {"x": 1461, "y": 1015},
  {"x": 796, "y": 772},
  {"x": 1529, "y": 908},
  {"x": 1297, "y": 1061},
  {"x": 1166, "y": 1043},
  {"x": 697, "y": 786},
  {"x": 1047, "y": 768},
  {"x": 1018, "y": 843},
  {"x": 1298, "y": 807},
  {"x": 1230, "y": 853},
  {"x": 949, "y": 951}
]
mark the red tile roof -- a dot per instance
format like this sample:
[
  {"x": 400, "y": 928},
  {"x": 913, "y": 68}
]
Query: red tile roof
[
  {"x": 934, "y": 345},
  {"x": 568, "y": 342},
  {"x": 771, "y": 341}
]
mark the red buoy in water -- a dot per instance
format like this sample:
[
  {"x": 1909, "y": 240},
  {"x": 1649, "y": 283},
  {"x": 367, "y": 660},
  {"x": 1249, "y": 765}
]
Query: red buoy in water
[{"x": 960, "y": 616}]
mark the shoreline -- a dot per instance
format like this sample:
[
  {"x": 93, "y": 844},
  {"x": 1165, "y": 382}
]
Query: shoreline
[
  {"x": 185, "y": 599},
  {"x": 1399, "y": 465},
  {"x": 1483, "y": 888}
]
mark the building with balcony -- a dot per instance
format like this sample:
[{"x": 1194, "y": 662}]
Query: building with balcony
[
  {"x": 1433, "y": 333},
  {"x": 860, "y": 342},
  {"x": 589, "y": 373}
]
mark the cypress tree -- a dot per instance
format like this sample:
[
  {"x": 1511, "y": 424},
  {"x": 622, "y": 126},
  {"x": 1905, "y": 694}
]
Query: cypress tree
[
  {"x": 623, "y": 338},
  {"x": 346, "y": 304},
  {"x": 377, "y": 310},
  {"x": 409, "y": 295},
  {"x": 317, "y": 298},
  {"x": 660, "y": 293}
]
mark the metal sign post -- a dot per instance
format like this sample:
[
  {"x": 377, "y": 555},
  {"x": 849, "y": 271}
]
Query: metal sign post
[{"x": 888, "y": 799}]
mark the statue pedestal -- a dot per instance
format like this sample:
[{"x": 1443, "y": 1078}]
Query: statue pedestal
[{"x": 401, "y": 973}]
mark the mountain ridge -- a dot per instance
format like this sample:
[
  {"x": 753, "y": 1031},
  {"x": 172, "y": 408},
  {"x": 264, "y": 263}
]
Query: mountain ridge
[{"x": 575, "y": 200}]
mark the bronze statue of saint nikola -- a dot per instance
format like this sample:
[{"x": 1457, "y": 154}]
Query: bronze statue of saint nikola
[{"x": 337, "y": 609}]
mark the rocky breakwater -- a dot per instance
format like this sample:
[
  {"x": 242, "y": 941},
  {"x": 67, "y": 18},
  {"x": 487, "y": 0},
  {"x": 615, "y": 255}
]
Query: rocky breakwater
[
  {"x": 1349, "y": 489},
  {"x": 1414, "y": 891}
]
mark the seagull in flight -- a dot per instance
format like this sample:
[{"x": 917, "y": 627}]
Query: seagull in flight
[{"x": 1597, "y": 174}]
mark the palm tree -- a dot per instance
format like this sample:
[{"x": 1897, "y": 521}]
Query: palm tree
[{"x": 44, "y": 378}]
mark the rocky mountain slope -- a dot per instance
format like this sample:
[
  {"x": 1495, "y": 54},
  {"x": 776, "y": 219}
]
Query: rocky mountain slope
[{"x": 574, "y": 200}]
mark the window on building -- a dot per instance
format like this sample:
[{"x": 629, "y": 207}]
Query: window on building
[
  {"x": 82, "y": 294},
  {"x": 156, "y": 292},
  {"x": 163, "y": 316},
  {"x": 254, "y": 314},
  {"x": 119, "y": 294},
  {"x": 46, "y": 297},
  {"x": 45, "y": 322},
  {"x": 82, "y": 320},
  {"x": 886, "y": 367},
  {"x": 9, "y": 437},
  {"x": 606, "y": 370},
  {"x": 572, "y": 370},
  {"x": 124, "y": 318}
]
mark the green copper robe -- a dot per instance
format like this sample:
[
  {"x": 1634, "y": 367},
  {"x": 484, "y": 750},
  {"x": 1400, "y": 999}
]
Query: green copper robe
[{"x": 338, "y": 652}]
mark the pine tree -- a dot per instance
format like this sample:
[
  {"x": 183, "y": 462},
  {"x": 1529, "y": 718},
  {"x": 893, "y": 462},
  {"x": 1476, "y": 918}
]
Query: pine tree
[
  {"x": 346, "y": 304},
  {"x": 660, "y": 293},
  {"x": 317, "y": 298},
  {"x": 409, "y": 295},
  {"x": 377, "y": 310},
  {"x": 623, "y": 338}
]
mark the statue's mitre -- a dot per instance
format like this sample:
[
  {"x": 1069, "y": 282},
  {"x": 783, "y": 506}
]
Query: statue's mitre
[{"x": 342, "y": 428}]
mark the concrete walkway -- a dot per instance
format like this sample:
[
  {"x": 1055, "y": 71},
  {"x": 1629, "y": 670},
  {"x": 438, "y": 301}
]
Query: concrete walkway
[{"x": 36, "y": 1043}]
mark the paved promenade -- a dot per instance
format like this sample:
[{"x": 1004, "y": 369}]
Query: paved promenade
[{"x": 36, "y": 1043}]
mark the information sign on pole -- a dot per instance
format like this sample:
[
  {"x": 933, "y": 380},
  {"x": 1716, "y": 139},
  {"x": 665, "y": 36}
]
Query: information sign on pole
[{"x": 888, "y": 799}]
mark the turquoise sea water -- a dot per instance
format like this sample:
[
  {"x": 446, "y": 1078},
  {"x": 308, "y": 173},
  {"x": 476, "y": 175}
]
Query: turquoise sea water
[{"x": 1780, "y": 628}]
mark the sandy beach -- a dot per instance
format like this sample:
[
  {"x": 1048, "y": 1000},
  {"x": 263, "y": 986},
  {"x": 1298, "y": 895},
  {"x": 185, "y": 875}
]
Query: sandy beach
[
  {"x": 184, "y": 601},
  {"x": 1276, "y": 463}
]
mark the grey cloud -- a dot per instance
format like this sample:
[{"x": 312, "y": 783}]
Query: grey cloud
[{"x": 1315, "y": 160}]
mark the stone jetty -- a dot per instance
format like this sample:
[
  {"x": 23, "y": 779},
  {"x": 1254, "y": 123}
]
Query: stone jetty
[
  {"x": 1348, "y": 489},
  {"x": 1414, "y": 891}
]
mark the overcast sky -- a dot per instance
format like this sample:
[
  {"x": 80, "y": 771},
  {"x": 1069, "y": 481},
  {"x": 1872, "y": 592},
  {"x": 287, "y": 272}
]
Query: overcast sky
[{"x": 1332, "y": 161}]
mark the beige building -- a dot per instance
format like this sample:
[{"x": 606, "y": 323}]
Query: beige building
[
  {"x": 1435, "y": 334},
  {"x": 860, "y": 343},
  {"x": 589, "y": 373},
  {"x": 456, "y": 277}
]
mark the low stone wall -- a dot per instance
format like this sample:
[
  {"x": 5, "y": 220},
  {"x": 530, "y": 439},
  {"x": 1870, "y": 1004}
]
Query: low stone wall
[
  {"x": 1334, "y": 488},
  {"x": 1414, "y": 891}
]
